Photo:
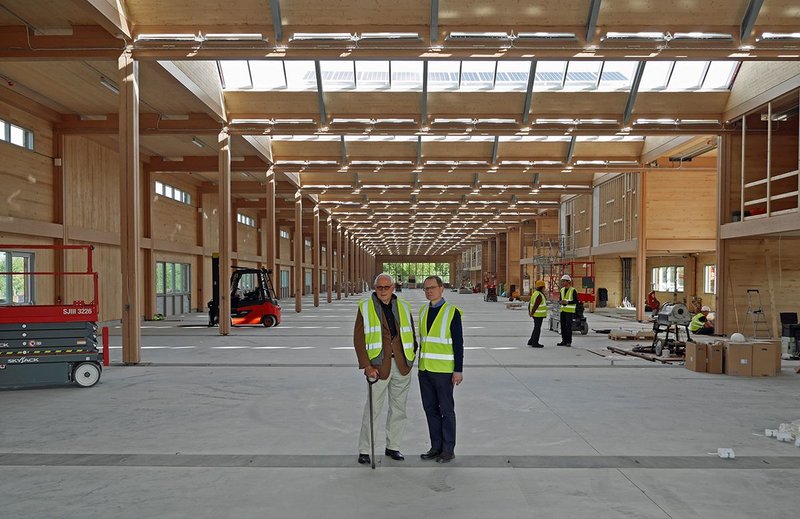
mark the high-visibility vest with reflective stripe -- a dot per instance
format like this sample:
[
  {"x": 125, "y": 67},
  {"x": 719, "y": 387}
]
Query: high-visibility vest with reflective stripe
[
  {"x": 696, "y": 323},
  {"x": 541, "y": 310},
  {"x": 436, "y": 343},
  {"x": 372, "y": 328},
  {"x": 567, "y": 293}
]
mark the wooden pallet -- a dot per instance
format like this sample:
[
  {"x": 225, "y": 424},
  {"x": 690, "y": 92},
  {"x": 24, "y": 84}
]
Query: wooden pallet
[
  {"x": 623, "y": 335},
  {"x": 646, "y": 356}
]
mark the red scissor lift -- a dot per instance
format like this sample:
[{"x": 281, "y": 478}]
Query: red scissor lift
[
  {"x": 51, "y": 344},
  {"x": 582, "y": 274}
]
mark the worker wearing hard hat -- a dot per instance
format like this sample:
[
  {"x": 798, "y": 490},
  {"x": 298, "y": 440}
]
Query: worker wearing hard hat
[
  {"x": 569, "y": 304},
  {"x": 701, "y": 324},
  {"x": 537, "y": 309}
]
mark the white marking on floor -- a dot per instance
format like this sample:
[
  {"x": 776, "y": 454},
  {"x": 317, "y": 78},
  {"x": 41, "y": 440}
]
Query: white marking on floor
[
  {"x": 304, "y": 347},
  {"x": 474, "y": 348},
  {"x": 476, "y": 327},
  {"x": 507, "y": 348},
  {"x": 270, "y": 347},
  {"x": 182, "y": 347},
  {"x": 229, "y": 347}
]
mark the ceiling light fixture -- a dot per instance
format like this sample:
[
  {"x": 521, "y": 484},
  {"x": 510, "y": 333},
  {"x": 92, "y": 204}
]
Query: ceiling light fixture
[{"x": 109, "y": 84}]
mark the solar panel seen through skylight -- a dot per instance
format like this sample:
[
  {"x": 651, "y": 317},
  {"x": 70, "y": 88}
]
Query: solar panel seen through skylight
[{"x": 449, "y": 75}]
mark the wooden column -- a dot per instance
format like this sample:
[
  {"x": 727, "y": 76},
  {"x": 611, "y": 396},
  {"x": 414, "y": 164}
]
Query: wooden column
[
  {"x": 149, "y": 254},
  {"x": 357, "y": 276},
  {"x": 345, "y": 264},
  {"x": 200, "y": 260},
  {"x": 225, "y": 232},
  {"x": 130, "y": 207},
  {"x": 298, "y": 252},
  {"x": 339, "y": 260},
  {"x": 269, "y": 229},
  {"x": 315, "y": 245},
  {"x": 641, "y": 250},
  {"x": 60, "y": 206},
  {"x": 329, "y": 257}
]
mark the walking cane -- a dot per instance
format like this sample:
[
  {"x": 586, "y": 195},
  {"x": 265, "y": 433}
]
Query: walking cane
[{"x": 371, "y": 381}]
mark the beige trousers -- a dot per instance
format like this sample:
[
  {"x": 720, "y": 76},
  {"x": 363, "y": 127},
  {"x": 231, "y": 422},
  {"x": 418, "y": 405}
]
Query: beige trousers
[{"x": 397, "y": 386}]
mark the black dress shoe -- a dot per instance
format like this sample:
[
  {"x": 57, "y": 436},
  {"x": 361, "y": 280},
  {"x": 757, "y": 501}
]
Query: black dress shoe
[
  {"x": 395, "y": 455},
  {"x": 430, "y": 455},
  {"x": 445, "y": 457},
  {"x": 530, "y": 343},
  {"x": 561, "y": 344},
  {"x": 538, "y": 346},
  {"x": 363, "y": 459}
]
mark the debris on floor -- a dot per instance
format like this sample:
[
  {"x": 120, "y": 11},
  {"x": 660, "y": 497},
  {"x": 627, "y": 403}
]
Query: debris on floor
[{"x": 786, "y": 432}]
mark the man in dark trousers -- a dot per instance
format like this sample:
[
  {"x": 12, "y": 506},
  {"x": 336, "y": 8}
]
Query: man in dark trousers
[
  {"x": 569, "y": 304},
  {"x": 441, "y": 360},
  {"x": 537, "y": 309}
]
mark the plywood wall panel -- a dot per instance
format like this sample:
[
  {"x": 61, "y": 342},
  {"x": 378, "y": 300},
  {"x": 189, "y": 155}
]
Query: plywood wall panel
[
  {"x": 608, "y": 275},
  {"x": 681, "y": 205},
  {"x": 92, "y": 174},
  {"x": 772, "y": 266},
  {"x": 27, "y": 176}
]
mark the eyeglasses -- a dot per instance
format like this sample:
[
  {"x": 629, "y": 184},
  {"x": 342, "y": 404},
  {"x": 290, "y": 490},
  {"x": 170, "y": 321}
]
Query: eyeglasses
[
  {"x": 383, "y": 287},
  {"x": 430, "y": 288}
]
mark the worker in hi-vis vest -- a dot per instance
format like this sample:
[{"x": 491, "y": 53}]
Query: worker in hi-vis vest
[
  {"x": 537, "y": 309},
  {"x": 385, "y": 342},
  {"x": 569, "y": 304},
  {"x": 701, "y": 324},
  {"x": 441, "y": 361}
]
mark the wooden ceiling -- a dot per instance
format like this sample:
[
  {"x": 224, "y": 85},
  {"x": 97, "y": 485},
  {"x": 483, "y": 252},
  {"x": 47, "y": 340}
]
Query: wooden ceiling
[{"x": 407, "y": 172}]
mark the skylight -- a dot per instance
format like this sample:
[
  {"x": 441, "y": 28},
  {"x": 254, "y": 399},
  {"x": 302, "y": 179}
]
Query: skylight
[{"x": 475, "y": 75}]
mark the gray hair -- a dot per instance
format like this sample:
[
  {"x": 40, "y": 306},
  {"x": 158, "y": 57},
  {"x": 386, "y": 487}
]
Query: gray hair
[{"x": 383, "y": 275}]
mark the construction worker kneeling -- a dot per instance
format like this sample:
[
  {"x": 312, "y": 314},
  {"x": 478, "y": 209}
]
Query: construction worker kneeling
[{"x": 701, "y": 324}]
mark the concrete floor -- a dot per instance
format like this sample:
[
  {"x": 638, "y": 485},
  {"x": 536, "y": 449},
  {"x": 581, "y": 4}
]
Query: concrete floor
[{"x": 264, "y": 423}]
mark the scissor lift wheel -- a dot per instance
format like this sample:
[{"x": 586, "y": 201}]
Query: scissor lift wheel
[{"x": 86, "y": 374}]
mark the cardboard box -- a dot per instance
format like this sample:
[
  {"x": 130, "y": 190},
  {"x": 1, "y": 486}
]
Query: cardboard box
[
  {"x": 764, "y": 360},
  {"x": 714, "y": 357},
  {"x": 739, "y": 359},
  {"x": 696, "y": 357}
]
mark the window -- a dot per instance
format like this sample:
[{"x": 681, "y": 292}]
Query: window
[
  {"x": 668, "y": 279},
  {"x": 172, "y": 278},
  {"x": 284, "y": 234},
  {"x": 173, "y": 193},
  {"x": 710, "y": 279},
  {"x": 245, "y": 220},
  {"x": 14, "y": 287},
  {"x": 307, "y": 243},
  {"x": 16, "y": 135}
]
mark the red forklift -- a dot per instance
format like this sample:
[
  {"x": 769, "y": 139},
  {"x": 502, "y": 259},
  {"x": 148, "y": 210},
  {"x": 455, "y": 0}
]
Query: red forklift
[{"x": 252, "y": 294}]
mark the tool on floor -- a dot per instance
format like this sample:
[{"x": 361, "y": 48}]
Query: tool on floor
[{"x": 371, "y": 381}]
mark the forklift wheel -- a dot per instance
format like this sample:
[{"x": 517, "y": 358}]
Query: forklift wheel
[
  {"x": 585, "y": 328},
  {"x": 86, "y": 374},
  {"x": 269, "y": 321},
  {"x": 658, "y": 347}
]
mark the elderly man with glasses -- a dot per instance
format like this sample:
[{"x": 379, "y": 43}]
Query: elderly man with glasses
[{"x": 385, "y": 344}]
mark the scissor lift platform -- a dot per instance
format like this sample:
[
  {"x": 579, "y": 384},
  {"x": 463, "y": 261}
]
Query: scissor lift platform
[{"x": 49, "y": 345}]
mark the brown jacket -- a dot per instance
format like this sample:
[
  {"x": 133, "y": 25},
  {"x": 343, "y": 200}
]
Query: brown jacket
[{"x": 391, "y": 347}]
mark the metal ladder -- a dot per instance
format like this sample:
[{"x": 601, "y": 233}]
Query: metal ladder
[{"x": 756, "y": 315}]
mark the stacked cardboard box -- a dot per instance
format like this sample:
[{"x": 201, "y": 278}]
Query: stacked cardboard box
[{"x": 738, "y": 359}]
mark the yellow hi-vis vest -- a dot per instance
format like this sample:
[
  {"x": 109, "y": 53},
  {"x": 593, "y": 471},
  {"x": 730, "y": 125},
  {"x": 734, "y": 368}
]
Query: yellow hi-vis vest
[
  {"x": 541, "y": 310},
  {"x": 372, "y": 328},
  {"x": 567, "y": 294},
  {"x": 436, "y": 344},
  {"x": 696, "y": 323}
]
